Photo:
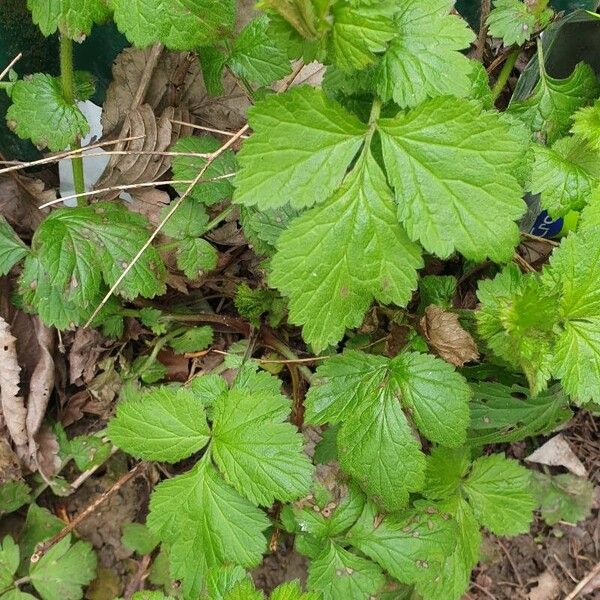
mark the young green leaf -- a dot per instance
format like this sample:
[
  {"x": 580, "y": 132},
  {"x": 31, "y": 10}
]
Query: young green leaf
[
  {"x": 452, "y": 166},
  {"x": 9, "y": 561},
  {"x": 499, "y": 491},
  {"x": 366, "y": 393},
  {"x": 163, "y": 423},
  {"x": 15, "y": 594},
  {"x": 64, "y": 570},
  {"x": 244, "y": 590},
  {"x": 256, "y": 57},
  {"x": 410, "y": 545},
  {"x": 220, "y": 580},
  {"x": 565, "y": 175},
  {"x": 79, "y": 248},
  {"x": 189, "y": 221},
  {"x": 548, "y": 111},
  {"x": 205, "y": 523},
  {"x": 512, "y": 20},
  {"x": 258, "y": 454},
  {"x": 193, "y": 340},
  {"x": 337, "y": 573},
  {"x": 12, "y": 248},
  {"x": 361, "y": 28},
  {"x": 88, "y": 451},
  {"x": 586, "y": 125},
  {"x": 501, "y": 414},
  {"x": 40, "y": 525},
  {"x": 338, "y": 257},
  {"x": 178, "y": 24},
  {"x": 437, "y": 289},
  {"x": 73, "y": 18},
  {"x": 13, "y": 495},
  {"x": 424, "y": 59},
  {"x": 299, "y": 152},
  {"x": 216, "y": 182},
  {"x": 40, "y": 113},
  {"x": 292, "y": 591},
  {"x": 196, "y": 256},
  {"x": 575, "y": 270}
]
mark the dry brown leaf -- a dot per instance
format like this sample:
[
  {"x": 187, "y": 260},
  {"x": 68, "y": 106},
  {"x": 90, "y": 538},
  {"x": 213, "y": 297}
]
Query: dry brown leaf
[
  {"x": 548, "y": 588},
  {"x": 20, "y": 198},
  {"x": 84, "y": 354},
  {"x": 557, "y": 452},
  {"x": 13, "y": 404},
  {"x": 47, "y": 449},
  {"x": 149, "y": 202},
  {"x": 9, "y": 463},
  {"x": 447, "y": 338}
]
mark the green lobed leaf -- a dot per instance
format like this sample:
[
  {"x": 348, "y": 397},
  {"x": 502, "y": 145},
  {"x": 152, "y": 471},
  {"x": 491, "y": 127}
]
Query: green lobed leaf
[
  {"x": 452, "y": 166},
  {"x": 411, "y": 546},
  {"x": 575, "y": 271},
  {"x": 366, "y": 393},
  {"x": 178, "y": 24},
  {"x": 256, "y": 57},
  {"x": 565, "y": 175},
  {"x": 13, "y": 495},
  {"x": 549, "y": 110},
  {"x": 9, "y": 561},
  {"x": 193, "y": 340},
  {"x": 73, "y": 18},
  {"x": 15, "y": 594},
  {"x": 499, "y": 491},
  {"x": 299, "y": 152},
  {"x": 361, "y": 28},
  {"x": 164, "y": 423},
  {"x": 260, "y": 455},
  {"x": 196, "y": 256},
  {"x": 424, "y": 59},
  {"x": 186, "y": 168},
  {"x": 205, "y": 523},
  {"x": 40, "y": 113},
  {"x": 292, "y": 591},
  {"x": 337, "y": 573},
  {"x": 512, "y": 20},
  {"x": 338, "y": 257},
  {"x": 88, "y": 451},
  {"x": 501, "y": 414},
  {"x": 586, "y": 125},
  {"x": 189, "y": 220},
  {"x": 244, "y": 590},
  {"x": 219, "y": 580},
  {"x": 563, "y": 497},
  {"x": 64, "y": 570},
  {"x": 40, "y": 524},
  {"x": 12, "y": 248},
  {"x": 437, "y": 289}
]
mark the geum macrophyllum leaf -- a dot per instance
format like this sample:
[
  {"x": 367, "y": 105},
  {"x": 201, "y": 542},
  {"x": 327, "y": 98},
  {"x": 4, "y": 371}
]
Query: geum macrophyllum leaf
[
  {"x": 299, "y": 152},
  {"x": 575, "y": 271},
  {"x": 73, "y": 18},
  {"x": 549, "y": 110},
  {"x": 366, "y": 394},
  {"x": 565, "y": 175},
  {"x": 511, "y": 20},
  {"x": 161, "y": 424},
  {"x": 424, "y": 59},
  {"x": 338, "y": 257},
  {"x": 453, "y": 168},
  {"x": 360, "y": 29},
  {"x": 40, "y": 113},
  {"x": 12, "y": 248},
  {"x": 178, "y": 24}
]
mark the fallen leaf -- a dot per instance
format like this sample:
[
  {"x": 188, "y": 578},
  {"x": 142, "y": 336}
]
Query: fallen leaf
[
  {"x": 20, "y": 198},
  {"x": 47, "y": 449},
  {"x": 84, "y": 354},
  {"x": 591, "y": 586},
  {"x": 447, "y": 338},
  {"x": 10, "y": 469},
  {"x": 548, "y": 588},
  {"x": 13, "y": 404},
  {"x": 557, "y": 452}
]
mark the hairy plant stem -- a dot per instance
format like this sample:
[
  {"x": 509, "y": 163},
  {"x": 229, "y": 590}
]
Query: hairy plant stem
[
  {"x": 505, "y": 73},
  {"x": 68, "y": 89}
]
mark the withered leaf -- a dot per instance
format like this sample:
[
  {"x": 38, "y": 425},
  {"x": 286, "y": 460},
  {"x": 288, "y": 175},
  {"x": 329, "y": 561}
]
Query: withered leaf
[{"x": 447, "y": 338}]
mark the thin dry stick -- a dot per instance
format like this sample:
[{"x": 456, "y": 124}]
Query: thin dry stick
[
  {"x": 133, "y": 186},
  {"x": 68, "y": 154},
  {"x": 11, "y": 64},
  {"x": 260, "y": 360},
  {"x": 171, "y": 212},
  {"x": 45, "y": 546},
  {"x": 581, "y": 585},
  {"x": 511, "y": 562},
  {"x": 537, "y": 238},
  {"x": 203, "y": 128}
]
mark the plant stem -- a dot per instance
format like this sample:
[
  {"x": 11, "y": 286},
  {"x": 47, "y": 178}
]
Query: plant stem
[
  {"x": 505, "y": 73},
  {"x": 220, "y": 217},
  {"x": 68, "y": 89}
]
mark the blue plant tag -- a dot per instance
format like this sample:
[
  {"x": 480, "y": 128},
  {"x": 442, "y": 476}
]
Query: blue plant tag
[{"x": 546, "y": 227}]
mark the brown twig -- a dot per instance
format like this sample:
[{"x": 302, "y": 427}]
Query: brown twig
[
  {"x": 135, "y": 583},
  {"x": 537, "y": 238},
  {"x": 483, "y": 29},
  {"x": 45, "y": 546},
  {"x": 581, "y": 585},
  {"x": 511, "y": 562},
  {"x": 204, "y": 128}
]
